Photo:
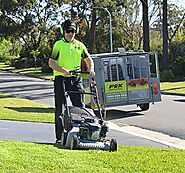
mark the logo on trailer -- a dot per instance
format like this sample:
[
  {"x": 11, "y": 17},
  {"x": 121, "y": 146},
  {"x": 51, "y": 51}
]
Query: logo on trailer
[{"x": 116, "y": 86}]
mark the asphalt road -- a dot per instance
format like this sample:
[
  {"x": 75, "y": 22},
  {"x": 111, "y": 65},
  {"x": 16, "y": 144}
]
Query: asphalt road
[
  {"x": 44, "y": 133},
  {"x": 166, "y": 117},
  {"x": 27, "y": 87}
]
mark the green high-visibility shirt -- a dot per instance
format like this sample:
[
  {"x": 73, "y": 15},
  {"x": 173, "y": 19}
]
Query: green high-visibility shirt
[{"x": 68, "y": 54}]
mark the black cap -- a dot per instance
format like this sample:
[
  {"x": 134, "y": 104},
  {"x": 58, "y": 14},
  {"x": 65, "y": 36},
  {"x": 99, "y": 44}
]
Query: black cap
[{"x": 68, "y": 24}]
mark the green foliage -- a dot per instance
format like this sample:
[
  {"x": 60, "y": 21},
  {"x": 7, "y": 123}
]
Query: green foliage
[
  {"x": 167, "y": 75},
  {"x": 30, "y": 22},
  {"x": 32, "y": 25},
  {"x": 179, "y": 37},
  {"x": 35, "y": 52},
  {"x": 179, "y": 67},
  {"x": 174, "y": 17},
  {"x": 5, "y": 47},
  {"x": 156, "y": 42}
]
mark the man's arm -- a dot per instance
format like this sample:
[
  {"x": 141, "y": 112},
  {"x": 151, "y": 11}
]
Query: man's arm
[
  {"x": 53, "y": 60},
  {"x": 90, "y": 63},
  {"x": 53, "y": 64}
]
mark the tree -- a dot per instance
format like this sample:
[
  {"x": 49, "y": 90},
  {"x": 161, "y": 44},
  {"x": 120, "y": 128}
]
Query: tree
[
  {"x": 124, "y": 24},
  {"x": 146, "y": 42},
  {"x": 5, "y": 47},
  {"x": 30, "y": 21},
  {"x": 175, "y": 19}
]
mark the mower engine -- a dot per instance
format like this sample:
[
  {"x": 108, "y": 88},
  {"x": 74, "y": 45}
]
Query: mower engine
[{"x": 90, "y": 131}]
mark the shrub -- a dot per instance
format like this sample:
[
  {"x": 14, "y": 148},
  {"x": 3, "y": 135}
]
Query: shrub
[
  {"x": 46, "y": 68},
  {"x": 2, "y": 59},
  {"x": 167, "y": 75},
  {"x": 9, "y": 58},
  {"x": 20, "y": 63},
  {"x": 179, "y": 67}
]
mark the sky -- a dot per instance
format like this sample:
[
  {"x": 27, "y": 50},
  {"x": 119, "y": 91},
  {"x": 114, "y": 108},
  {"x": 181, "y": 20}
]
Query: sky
[{"x": 180, "y": 3}]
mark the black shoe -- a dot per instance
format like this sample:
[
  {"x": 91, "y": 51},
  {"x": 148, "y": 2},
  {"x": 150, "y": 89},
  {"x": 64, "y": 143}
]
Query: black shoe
[{"x": 58, "y": 142}]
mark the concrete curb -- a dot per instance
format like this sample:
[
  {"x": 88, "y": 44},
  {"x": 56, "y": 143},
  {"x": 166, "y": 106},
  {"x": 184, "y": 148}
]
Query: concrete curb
[{"x": 150, "y": 135}]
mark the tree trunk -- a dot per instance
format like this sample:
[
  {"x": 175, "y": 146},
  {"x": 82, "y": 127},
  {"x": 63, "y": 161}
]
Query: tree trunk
[
  {"x": 146, "y": 42},
  {"x": 165, "y": 35},
  {"x": 171, "y": 51},
  {"x": 92, "y": 33}
]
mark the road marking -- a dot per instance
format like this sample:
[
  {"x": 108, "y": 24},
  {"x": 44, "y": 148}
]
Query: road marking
[{"x": 150, "y": 135}]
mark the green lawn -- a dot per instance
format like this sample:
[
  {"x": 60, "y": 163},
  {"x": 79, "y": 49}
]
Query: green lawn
[
  {"x": 36, "y": 158},
  {"x": 28, "y": 71},
  {"x": 34, "y": 72},
  {"x": 4, "y": 66},
  {"x": 24, "y": 110},
  {"x": 33, "y": 157},
  {"x": 174, "y": 87}
]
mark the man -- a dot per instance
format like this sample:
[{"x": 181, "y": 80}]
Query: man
[{"x": 66, "y": 55}]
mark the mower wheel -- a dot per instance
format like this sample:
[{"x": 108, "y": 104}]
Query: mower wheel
[
  {"x": 104, "y": 113},
  {"x": 67, "y": 122},
  {"x": 63, "y": 138},
  {"x": 74, "y": 143},
  {"x": 113, "y": 145}
]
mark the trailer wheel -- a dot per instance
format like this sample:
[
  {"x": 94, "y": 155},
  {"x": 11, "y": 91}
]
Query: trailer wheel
[
  {"x": 113, "y": 145},
  {"x": 74, "y": 143},
  {"x": 144, "y": 107}
]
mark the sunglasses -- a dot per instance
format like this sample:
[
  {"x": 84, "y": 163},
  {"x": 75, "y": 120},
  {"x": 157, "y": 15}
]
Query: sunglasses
[{"x": 68, "y": 31}]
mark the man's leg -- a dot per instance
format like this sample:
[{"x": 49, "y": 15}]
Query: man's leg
[
  {"x": 77, "y": 99},
  {"x": 59, "y": 106}
]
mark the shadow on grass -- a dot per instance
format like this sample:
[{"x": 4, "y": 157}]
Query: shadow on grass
[
  {"x": 59, "y": 146},
  {"x": 171, "y": 89},
  {"x": 32, "y": 70},
  {"x": 110, "y": 114},
  {"x": 6, "y": 96},
  {"x": 32, "y": 109}
]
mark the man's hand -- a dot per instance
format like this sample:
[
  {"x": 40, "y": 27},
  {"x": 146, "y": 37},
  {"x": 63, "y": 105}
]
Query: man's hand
[
  {"x": 53, "y": 64},
  {"x": 66, "y": 72},
  {"x": 92, "y": 73}
]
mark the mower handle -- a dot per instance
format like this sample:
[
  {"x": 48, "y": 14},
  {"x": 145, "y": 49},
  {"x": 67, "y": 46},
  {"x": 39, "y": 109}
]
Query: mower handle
[{"x": 77, "y": 72}]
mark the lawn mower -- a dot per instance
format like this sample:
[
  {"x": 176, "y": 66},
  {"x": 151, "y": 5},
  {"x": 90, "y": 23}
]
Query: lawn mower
[{"x": 83, "y": 129}]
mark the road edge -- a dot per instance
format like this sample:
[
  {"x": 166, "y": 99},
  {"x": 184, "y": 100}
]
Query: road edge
[{"x": 150, "y": 135}]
